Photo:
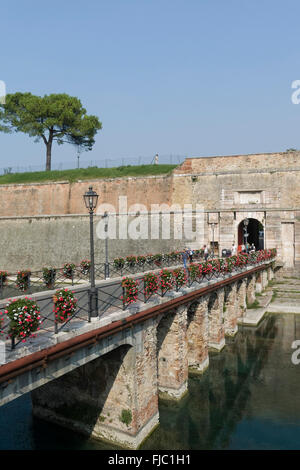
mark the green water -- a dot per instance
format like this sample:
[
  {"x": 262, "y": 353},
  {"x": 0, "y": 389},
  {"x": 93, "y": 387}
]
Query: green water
[{"x": 247, "y": 399}]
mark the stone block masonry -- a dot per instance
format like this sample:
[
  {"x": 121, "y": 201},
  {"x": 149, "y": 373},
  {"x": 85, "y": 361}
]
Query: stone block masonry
[{"x": 46, "y": 220}]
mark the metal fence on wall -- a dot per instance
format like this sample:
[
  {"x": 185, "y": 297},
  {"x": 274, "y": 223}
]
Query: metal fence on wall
[{"x": 84, "y": 162}]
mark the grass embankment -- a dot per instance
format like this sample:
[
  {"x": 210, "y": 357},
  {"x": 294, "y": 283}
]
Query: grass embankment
[{"x": 85, "y": 174}]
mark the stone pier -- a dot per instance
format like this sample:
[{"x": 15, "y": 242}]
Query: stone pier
[
  {"x": 250, "y": 289},
  {"x": 172, "y": 353},
  {"x": 197, "y": 335},
  {"x": 241, "y": 297},
  {"x": 216, "y": 338},
  {"x": 230, "y": 309}
]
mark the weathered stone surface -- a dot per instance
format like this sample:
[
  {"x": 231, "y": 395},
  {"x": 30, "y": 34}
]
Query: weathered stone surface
[
  {"x": 216, "y": 320},
  {"x": 114, "y": 397},
  {"x": 241, "y": 297},
  {"x": 251, "y": 289},
  {"x": 172, "y": 353},
  {"x": 230, "y": 309},
  {"x": 197, "y": 335}
]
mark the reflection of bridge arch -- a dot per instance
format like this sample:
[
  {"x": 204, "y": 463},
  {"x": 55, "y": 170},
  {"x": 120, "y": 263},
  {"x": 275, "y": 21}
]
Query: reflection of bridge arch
[{"x": 255, "y": 232}]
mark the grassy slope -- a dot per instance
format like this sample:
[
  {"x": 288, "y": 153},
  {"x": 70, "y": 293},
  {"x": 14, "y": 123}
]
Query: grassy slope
[{"x": 85, "y": 173}]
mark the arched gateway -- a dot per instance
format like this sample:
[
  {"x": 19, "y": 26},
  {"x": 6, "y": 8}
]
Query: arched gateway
[{"x": 252, "y": 231}]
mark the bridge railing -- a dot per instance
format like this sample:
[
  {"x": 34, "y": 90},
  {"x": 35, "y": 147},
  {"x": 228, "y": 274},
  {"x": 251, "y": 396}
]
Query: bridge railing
[
  {"x": 117, "y": 295},
  {"x": 69, "y": 275}
]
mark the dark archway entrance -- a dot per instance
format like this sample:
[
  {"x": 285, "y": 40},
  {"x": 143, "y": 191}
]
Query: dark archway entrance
[{"x": 255, "y": 232}]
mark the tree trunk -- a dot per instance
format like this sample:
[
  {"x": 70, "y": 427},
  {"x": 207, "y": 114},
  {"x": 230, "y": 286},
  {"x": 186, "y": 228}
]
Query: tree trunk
[{"x": 48, "y": 152}]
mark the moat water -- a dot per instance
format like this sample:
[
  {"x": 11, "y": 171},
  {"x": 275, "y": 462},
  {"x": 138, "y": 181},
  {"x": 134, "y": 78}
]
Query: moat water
[{"x": 248, "y": 398}]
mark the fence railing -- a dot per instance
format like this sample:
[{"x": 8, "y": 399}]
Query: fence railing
[
  {"x": 123, "y": 293},
  {"x": 85, "y": 162},
  {"x": 30, "y": 282}
]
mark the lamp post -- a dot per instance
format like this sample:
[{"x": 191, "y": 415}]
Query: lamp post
[
  {"x": 91, "y": 199},
  {"x": 246, "y": 222},
  {"x": 106, "y": 266},
  {"x": 213, "y": 237}
]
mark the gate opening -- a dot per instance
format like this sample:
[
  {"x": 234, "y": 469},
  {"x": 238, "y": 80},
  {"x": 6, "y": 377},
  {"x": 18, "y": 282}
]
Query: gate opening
[{"x": 255, "y": 231}]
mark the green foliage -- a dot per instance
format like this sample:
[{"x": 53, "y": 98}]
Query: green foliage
[
  {"x": 54, "y": 117},
  {"x": 84, "y": 174},
  {"x": 126, "y": 417}
]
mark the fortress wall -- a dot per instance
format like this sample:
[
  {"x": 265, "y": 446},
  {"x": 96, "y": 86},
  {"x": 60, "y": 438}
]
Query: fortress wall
[
  {"x": 278, "y": 189},
  {"x": 243, "y": 163},
  {"x": 35, "y": 242},
  {"x": 67, "y": 198},
  {"x": 47, "y": 224}
]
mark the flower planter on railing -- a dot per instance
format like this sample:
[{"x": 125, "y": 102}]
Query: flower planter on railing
[
  {"x": 68, "y": 271},
  {"x": 25, "y": 318},
  {"x": 23, "y": 280},
  {"x": 166, "y": 281},
  {"x": 179, "y": 277},
  {"x": 3, "y": 278},
  {"x": 151, "y": 285},
  {"x": 119, "y": 263},
  {"x": 49, "y": 275},
  {"x": 85, "y": 267},
  {"x": 1, "y": 324},
  {"x": 195, "y": 272},
  {"x": 64, "y": 305},
  {"x": 130, "y": 291}
]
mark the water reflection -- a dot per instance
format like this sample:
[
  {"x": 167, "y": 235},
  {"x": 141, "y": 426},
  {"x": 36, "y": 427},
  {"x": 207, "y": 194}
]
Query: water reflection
[{"x": 247, "y": 399}]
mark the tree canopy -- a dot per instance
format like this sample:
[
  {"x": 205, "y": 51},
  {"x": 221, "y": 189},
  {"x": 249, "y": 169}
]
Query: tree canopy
[{"x": 54, "y": 117}]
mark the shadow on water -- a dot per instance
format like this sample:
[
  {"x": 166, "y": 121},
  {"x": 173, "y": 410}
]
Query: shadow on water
[{"x": 246, "y": 399}]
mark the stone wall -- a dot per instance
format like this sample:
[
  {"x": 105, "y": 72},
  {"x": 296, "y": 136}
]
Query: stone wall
[
  {"x": 59, "y": 198},
  {"x": 228, "y": 189},
  {"x": 35, "y": 242}
]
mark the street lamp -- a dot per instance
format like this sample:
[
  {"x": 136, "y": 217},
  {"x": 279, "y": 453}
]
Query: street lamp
[
  {"x": 246, "y": 222},
  {"x": 213, "y": 237},
  {"x": 91, "y": 199},
  {"x": 106, "y": 267}
]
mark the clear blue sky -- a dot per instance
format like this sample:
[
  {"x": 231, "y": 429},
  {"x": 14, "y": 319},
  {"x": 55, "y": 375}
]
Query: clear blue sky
[{"x": 187, "y": 77}]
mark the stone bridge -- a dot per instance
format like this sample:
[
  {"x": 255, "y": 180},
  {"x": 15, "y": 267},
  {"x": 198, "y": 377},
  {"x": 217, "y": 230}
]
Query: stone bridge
[{"x": 104, "y": 377}]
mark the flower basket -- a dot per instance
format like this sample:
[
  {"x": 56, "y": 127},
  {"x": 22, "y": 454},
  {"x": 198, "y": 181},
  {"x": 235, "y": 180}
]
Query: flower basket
[
  {"x": 174, "y": 255},
  {"x": 151, "y": 284},
  {"x": 180, "y": 278},
  {"x": 149, "y": 258},
  {"x": 131, "y": 261},
  {"x": 3, "y": 278},
  {"x": 157, "y": 259},
  {"x": 141, "y": 260},
  {"x": 85, "y": 267},
  {"x": 195, "y": 272},
  {"x": 64, "y": 305},
  {"x": 1, "y": 324},
  {"x": 23, "y": 280},
  {"x": 49, "y": 275},
  {"x": 130, "y": 290},
  {"x": 68, "y": 270},
  {"x": 166, "y": 280},
  {"x": 207, "y": 270},
  {"x": 25, "y": 319},
  {"x": 119, "y": 263}
]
